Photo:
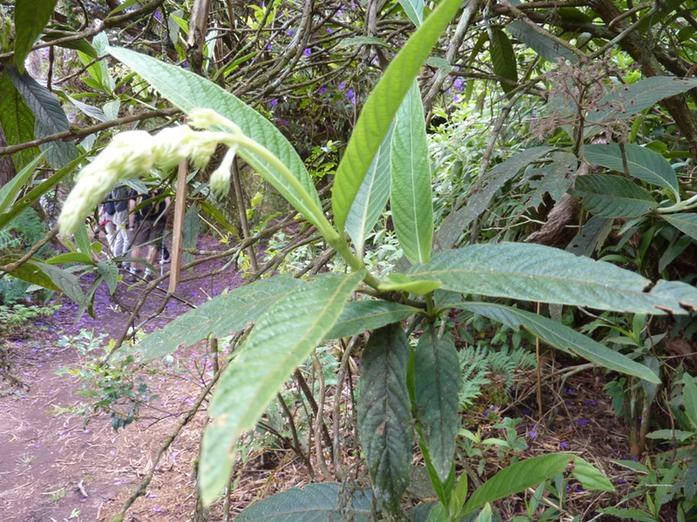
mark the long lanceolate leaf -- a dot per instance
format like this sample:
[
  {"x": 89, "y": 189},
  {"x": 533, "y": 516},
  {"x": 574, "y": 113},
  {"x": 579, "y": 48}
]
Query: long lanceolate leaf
[
  {"x": 381, "y": 107},
  {"x": 539, "y": 273},
  {"x": 188, "y": 91},
  {"x": 384, "y": 416},
  {"x": 437, "y": 387},
  {"x": 221, "y": 316},
  {"x": 410, "y": 188},
  {"x": 563, "y": 338},
  {"x": 31, "y": 16},
  {"x": 281, "y": 340},
  {"x": 372, "y": 196}
]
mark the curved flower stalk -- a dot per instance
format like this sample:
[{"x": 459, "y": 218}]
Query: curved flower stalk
[{"x": 133, "y": 153}]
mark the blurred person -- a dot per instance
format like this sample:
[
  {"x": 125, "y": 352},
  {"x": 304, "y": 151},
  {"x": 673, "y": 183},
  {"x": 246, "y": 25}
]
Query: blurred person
[{"x": 148, "y": 226}]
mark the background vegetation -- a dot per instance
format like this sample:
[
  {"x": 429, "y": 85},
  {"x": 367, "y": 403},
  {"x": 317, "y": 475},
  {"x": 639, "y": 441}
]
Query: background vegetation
[{"x": 532, "y": 129}]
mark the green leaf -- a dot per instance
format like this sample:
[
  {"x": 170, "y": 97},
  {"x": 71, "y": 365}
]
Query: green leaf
[
  {"x": 49, "y": 117},
  {"x": 685, "y": 223},
  {"x": 192, "y": 227},
  {"x": 517, "y": 477},
  {"x": 414, "y": 10},
  {"x": 31, "y": 16},
  {"x": 689, "y": 397},
  {"x": 677, "y": 291},
  {"x": 326, "y": 502},
  {"x": 362, "y": 40},
  {"x": 541, "y": 44},
  {"x": 642, "y": 163},
  {"x": 401, "y": 283},
  {"x": 438, "y": 386},
  {"x": 538, "y": 273},
  {"x": 282, "y": 339},
  {"x": 589, "y": 476},
  {"x": 221, "y": 316},
  {"x": 384, "y": 413},
  {"x": 503, "y": 59},
  {"x": 10, "y": 191},
  {"x": 188, "y": 91},
  {"x": 359, "y": 316},
  {"x": 457, "y": 222},
  {"x": 381, "y": 107},
  {"x": 17, "y": 121},
  {"x": 635, "y": 515},
  {"x": 410, "y": 185},
  {"x": 51, "y": 277},
  {"x": 676, "y": 435},
  {"x": 613, "y": 196},
  {"x": 34, "y": 194},
  {"x": 626, "y": 100},
  {"x": 372, "y": 196},
  {"x": 591, "y": 237},
  {"x": 563, "y": 338}
]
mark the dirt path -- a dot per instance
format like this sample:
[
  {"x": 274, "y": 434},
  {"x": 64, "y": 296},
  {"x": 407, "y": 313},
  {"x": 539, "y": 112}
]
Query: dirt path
[{"x": 56, "y": 468}]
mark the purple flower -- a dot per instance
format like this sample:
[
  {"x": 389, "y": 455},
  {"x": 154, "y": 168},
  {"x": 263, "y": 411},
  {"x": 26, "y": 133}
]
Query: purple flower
[
  {"x": 269, "y": 47},
  {"x": 532, "y": 434},
  {"x": 582, "y": 422},
  {"x": 342, "y": 86},
  {"x": 456, "y": 98},
  {"x": 307, "y": 52},
  {"x": 321, "y": 90},
  {"x": 351, "y": 96},
  {"x": 291, "y": 32},
  {"x": 274, "y": 102},
  {"x": 564, "y": 445},
  {"x": 329, "y": 30},
  {"x": 158, "y": 15},
  {"x": 458, "y": 83}
]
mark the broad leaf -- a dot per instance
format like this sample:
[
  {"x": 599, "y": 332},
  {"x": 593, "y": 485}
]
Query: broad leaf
[
  {"x": 542, "y": 45},
  {"x": 281, "y": 340},
  {"x": 410, "y": 186},
  {"x": 49, "y": 117},
  {"x": 438, "y": 385},
  {"x": 326, "y": 502},
  {"x": 591, "y": 237},
  {"x": 685, "y": 223},
  {"x": 189, "y": 91},
  {"x": 683, "y": 293},
  {"x": 613, "y": 196},
  {"x": 372, "y": 196},
  {"x": 517, "y": 477},
  {"x": 457, "y": 222},
  {"x": 51, "y": 277},
  {"x": 627, "y": 100},
  {"x": 360, "y": 316},
  {"x": 31, "y": 16},
  {"x": 589, "y": 476},
  {"x": 563, "y": 338},
  {"x": 384, "y": 413},
  {"x": 223, "y": 315},
  {"x": 503, "y": 59},
  {"x": 17, "y": 121},
  {"x": 381, "y": 107},
  {"x": 538, "y": 273},
  {"x": 414, "y": 10},
  {"x": 642, "y": 163}
]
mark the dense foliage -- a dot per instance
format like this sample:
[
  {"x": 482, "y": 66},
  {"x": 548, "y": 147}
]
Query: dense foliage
[{"x": 514, "y": 167}]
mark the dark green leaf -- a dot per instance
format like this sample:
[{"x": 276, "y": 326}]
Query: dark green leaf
[
  {"x": 591, "y": 237},
  {"x": 284, "y": 336},
  {"x": 541, "y": 44},
  {"x": 613, "y": 196},
  {"x": 683, "y": 293},
  {"x": 359, "y": 316},
  {"x": 563, "y": 338},
  {"x": 410, "y": 185},
  {"x": 381, "y": 107},
  {"x": 538, "y": 273},
  {"x": 642, "y": 163},
  {"x": 517, "y": 477},
  {"x": 438, "y": 385},
  {"x": 31, "y": 16},
  {"x": 326, "y": 502},
  {"x": 503, "y": 59},
  {"x": 192, "y": 228},
  {"x": 384, "y": 416},
  {"x": 49, "y": 117},
  {"x": 685, "y": 223},
  {"x": 17, "y": 121}
]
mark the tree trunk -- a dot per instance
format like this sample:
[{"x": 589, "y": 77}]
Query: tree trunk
[{"x": 7, "y": 166}]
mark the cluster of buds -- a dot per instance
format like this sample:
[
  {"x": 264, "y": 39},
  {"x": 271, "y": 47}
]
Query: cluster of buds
[{"x": 134, "y": 153}]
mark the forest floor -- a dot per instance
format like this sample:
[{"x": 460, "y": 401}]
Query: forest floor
[{"x": 57, "y": 468}]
